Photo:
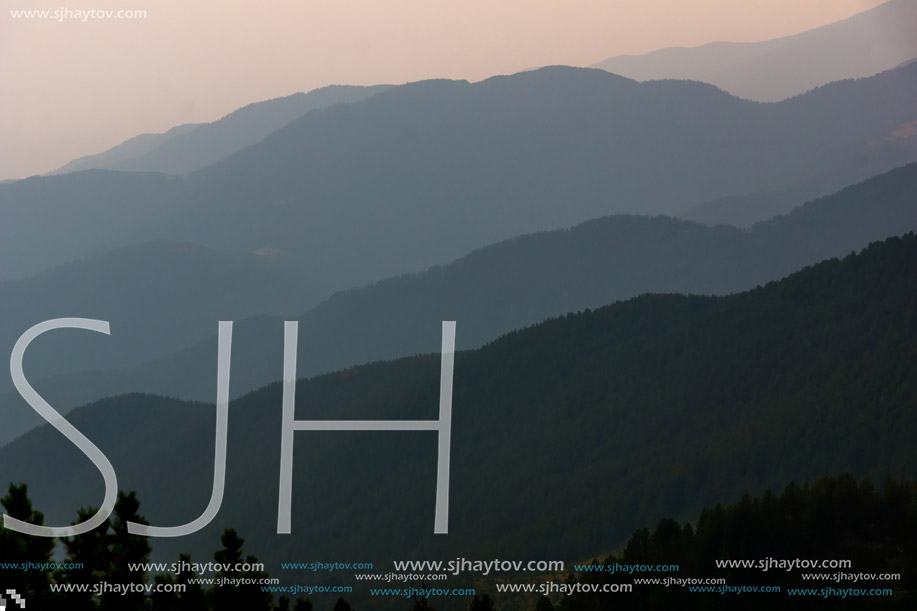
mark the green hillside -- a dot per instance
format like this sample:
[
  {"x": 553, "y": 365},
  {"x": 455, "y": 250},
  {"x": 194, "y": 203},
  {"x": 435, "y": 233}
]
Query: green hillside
[{"x": 570, "y": 433}]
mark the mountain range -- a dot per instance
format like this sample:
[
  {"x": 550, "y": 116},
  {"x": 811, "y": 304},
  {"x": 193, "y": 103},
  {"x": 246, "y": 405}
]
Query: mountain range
[
  {"x": 159, "y": 297},
  {"x": 494, "y": 290},
  {"x": 612, "y": 418},
  {"x": 745, "y": 210},
  {"x": 423, "y": 173},
  {"x": 865, "y": 44},
  {"x": 190, "y": 147},
  {"x": 668, "y": 294}
]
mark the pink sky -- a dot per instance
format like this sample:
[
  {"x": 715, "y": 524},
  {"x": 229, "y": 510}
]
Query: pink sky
[{"x": 72, "y": 88}]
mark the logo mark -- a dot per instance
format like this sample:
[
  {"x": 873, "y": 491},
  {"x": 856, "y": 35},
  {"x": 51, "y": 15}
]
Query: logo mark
[{"x": 16, "y": 599}]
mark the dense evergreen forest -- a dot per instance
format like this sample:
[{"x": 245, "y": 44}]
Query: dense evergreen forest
[{"x": 834, "y": 518}]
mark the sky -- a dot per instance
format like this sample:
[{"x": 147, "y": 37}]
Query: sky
[{"x": 77, "y": 85}]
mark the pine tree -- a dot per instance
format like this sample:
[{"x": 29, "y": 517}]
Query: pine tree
[
  {"x": 87, "y": 557},
  {"x": 422, "y": 604},
  {"x": 303, "y": 605},
  {"x": 193, "y": 597},
  {"x": 250, "y": 596},
  {"x": 19, "y": 548},
  {"x": 481, "y": 603},
  {"x": 125, "y": 549},
  {"x": 342, "y": 605},
  {"x": 544, "y": 604}
]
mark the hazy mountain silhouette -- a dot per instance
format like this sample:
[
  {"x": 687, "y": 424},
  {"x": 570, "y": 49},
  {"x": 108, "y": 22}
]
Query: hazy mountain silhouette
[
  {"x": 743, "y": 210},
  {"x": 191, "y": 147},
  {"x": 49, "y": 221},
  {"x": 424, "y": 173},
  {"x": 133, "y": 148},
  {"x": 865, "y": 44},
  {"x": 158, "y": 297},
  {"x": 504, "y": 287},
  {"x": 573, "y": 432}
]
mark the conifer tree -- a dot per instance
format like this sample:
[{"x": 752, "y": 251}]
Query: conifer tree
[{"x": 15, "y": 547}]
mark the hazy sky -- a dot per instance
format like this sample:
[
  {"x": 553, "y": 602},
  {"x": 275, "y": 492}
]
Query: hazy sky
[{"x": 72, "y": 88}]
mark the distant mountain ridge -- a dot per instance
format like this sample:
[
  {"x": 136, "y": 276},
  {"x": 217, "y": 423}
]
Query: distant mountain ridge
[
  {"x": 158, "y": 297},
  {"x": 424, "y": 173},
  {"x": 187, "y": 148},
  {"x": 507, "y": 286},
  {"x": 744, "y": 210},
  {"x": 865, "y": 44},
  {"x": 130, "y": 149}
]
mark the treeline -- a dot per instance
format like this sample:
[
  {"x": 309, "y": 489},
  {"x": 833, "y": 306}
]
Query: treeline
[
  {"x": 102, "y": 560},
  {"x": 834, "y": 518}
]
